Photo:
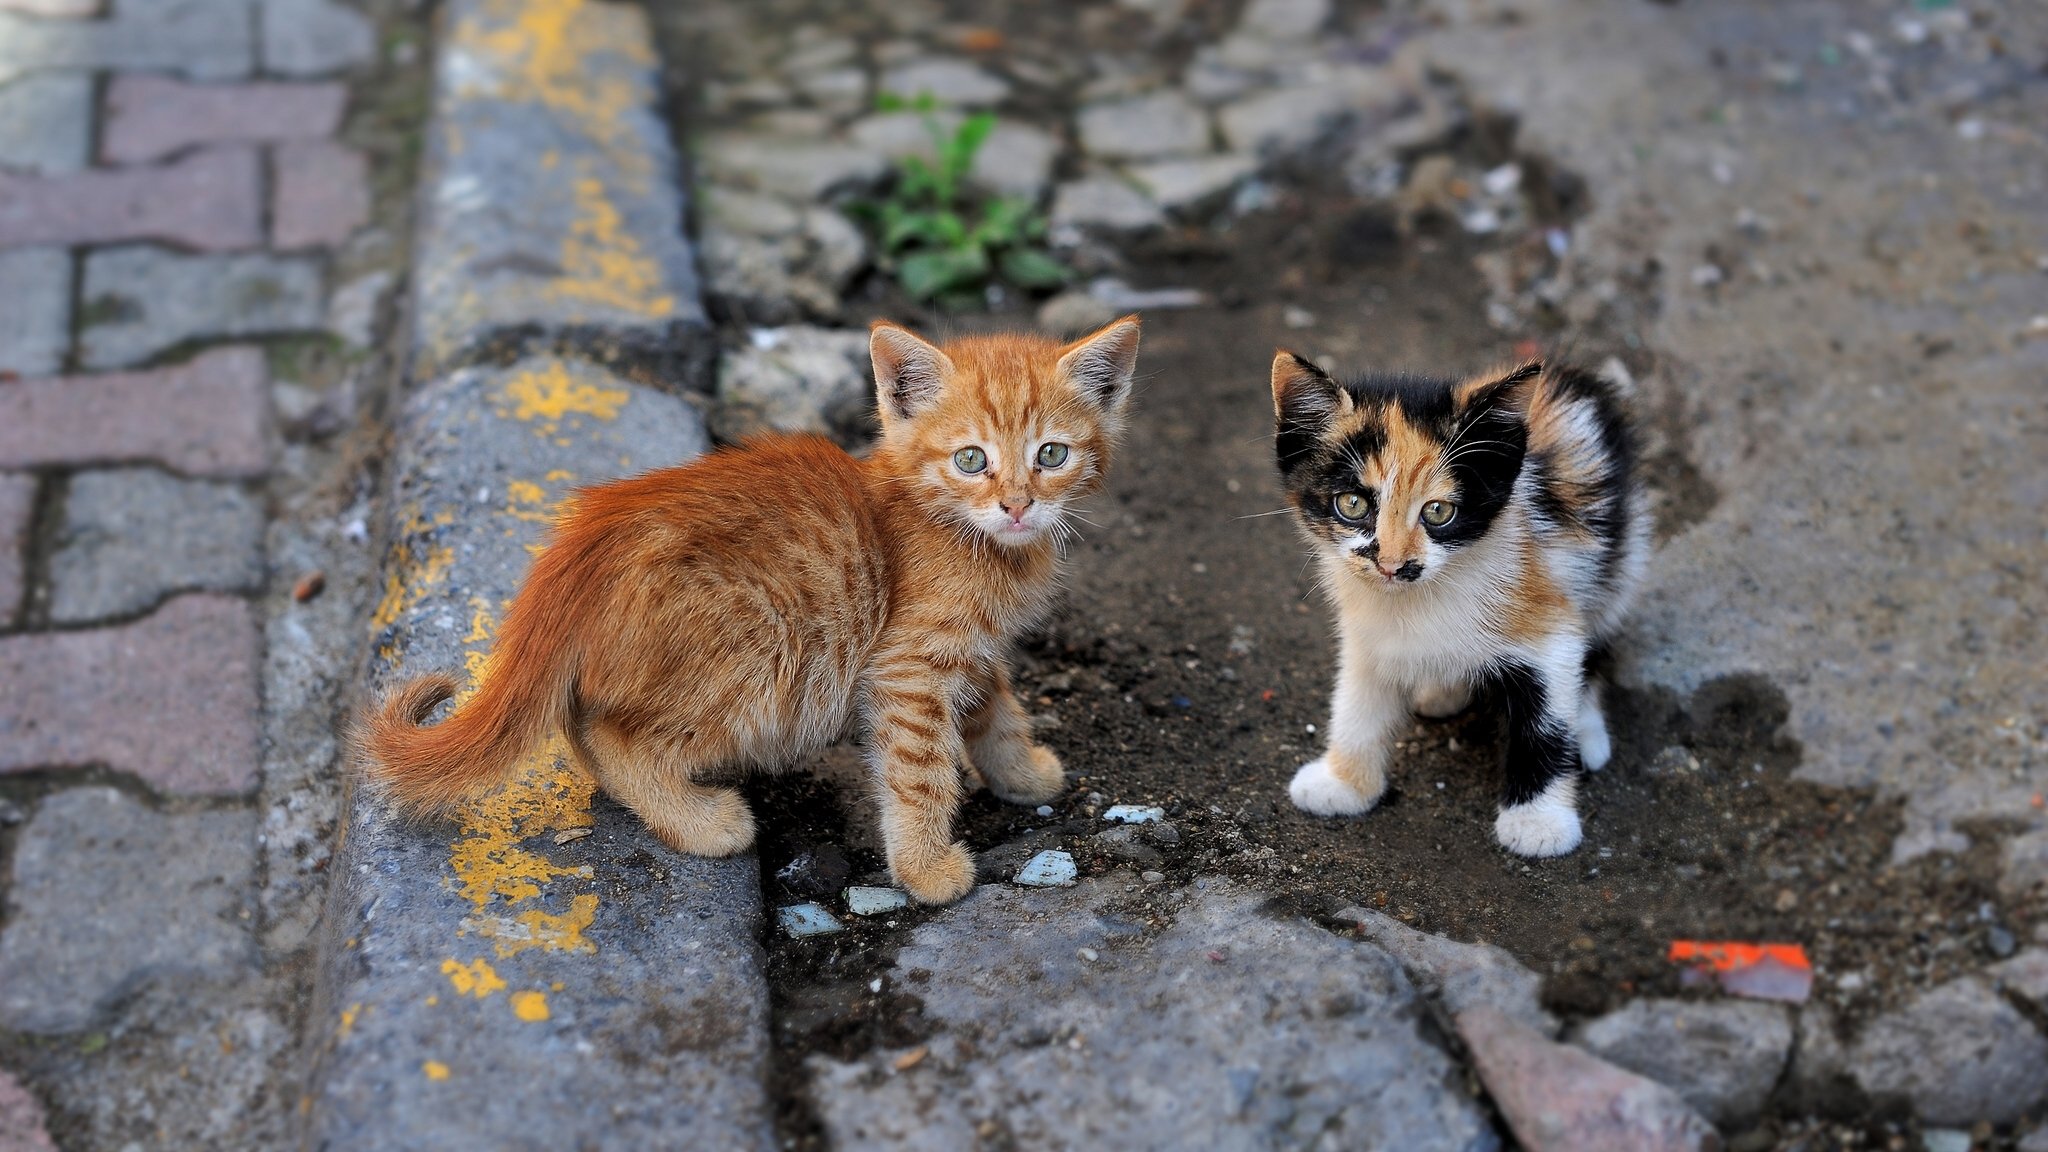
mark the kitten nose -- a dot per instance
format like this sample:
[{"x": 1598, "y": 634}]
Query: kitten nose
[{"x": 1016, "y": 506}]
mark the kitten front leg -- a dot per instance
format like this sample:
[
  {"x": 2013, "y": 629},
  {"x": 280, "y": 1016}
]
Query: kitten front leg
[
  {"x": 998, "y": 736},
  {"x": 1351, "y": 775},
  {"x": 1539, "y": 807},
  {"x": 915, "y": 757}
]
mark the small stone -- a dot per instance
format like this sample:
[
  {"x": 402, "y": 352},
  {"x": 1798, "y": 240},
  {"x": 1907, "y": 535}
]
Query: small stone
[
  {"x": 1145, "y": 127},
  {"x": 1786, "y": 900},
  {"x": 1556, "y": 1098},
  {"x": 131, "y": 536},
  {"x": 1183, "y": 184},
  {"x": 800, "y": 920},
  {"x": 320, "y": 194},
  {"x": 802, "y": 170},
  {"x": 816, "y": 871},
  {"x": 911, "y": 1059},
  {"x": 1295, "y": 316},
  {"x": 1102, "y": 202},
  {"x": 950, "y": 83},
  {"x": 1282, "y": 120},
  {"x": 1075, "y": 311},
  {"x": 1134, "y": 814},
  {"x": 1049, "y": 869},
  {"x": 1999, "y": 940},
  {"x": 571, "y": 835},
  {"x": 800, "y": 378},
  {"x": 141, "y": 300},
  {"x": 1958, "y": 1053},
  {"x": 1088, "y": 954},
  {"x": 35, "y": 326},
  {"x": 1723, "y": 1057},
  {"x": 1465, "y": 976},
  {"x": 166, "y": 893},
  {"x": 46, "y": 122},
  {"x": 151, "y": 117},
  {"x": 353, "y": 309},
  {"x": 866, "y": 901},
  {"x": 1151, "y": 877},
  {"x": 315, "y": 37},
  {"x": 1043, "y": 810},
  {"x": 1945, "y": 1140}
]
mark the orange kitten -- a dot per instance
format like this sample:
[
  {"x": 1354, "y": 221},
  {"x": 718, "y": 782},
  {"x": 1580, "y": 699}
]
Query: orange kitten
[{"x": 742, "y": 610}]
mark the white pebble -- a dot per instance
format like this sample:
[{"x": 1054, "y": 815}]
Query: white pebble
[
  {"x": 1134, "y": 814},
  {"x": 1049, "y": 869},
  {"x": 807, "y": 920},
  {"x": 1044, "y": 809},
  {"x": 864, "y": 901},
  {"x": 1089, "y": 954}
]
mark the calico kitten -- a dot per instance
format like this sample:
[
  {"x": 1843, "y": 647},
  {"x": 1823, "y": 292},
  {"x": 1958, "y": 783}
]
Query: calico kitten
[
  {"x": 1483, "y": 532},
  {"x": 743, "y": 609}
]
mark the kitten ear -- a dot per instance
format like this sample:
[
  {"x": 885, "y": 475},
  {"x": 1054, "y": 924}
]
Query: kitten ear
[
  {"x": 1100, "y": 364},
  {"x": 1506, "y": 395},
  {"x": 1304, "y": 393},
  {"x": 909, "y": 371}
]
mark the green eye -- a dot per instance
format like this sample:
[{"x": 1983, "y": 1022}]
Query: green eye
[
  {"x": 1352, "y": 506},
  {"x": 970, "y": 460},
  {"x": 1052, "y": 455},
  {"x": 1438, "y": 513}
]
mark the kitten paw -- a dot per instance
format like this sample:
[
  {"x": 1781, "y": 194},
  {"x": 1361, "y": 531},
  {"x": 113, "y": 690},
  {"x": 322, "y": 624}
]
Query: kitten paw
[
  {"x": 1545, "y": 826},
  {"x": 1595, "y": 748},
  {"x": 1317, "y": 790},
  {"x": 720, "y": 824},
  {"x": 941, "y": 879},
  {"x": 1038, "y": 780},
  {"x": 1443, "y": 700}
]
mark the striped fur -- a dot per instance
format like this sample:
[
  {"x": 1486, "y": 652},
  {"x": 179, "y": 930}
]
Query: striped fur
[
  {"x": 1535, "y": 565},
  {"x": 746, "y": 609}
]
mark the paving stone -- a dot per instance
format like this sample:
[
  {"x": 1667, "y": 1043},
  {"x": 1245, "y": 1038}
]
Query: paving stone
[
  {"x": 588, "y": 247},
  {"x": 184, "y": 36},
  {"x": 150, "y": 117},
  {"x": 1723, "y": 1056},
  {"x": 1103, "y": 202},
  {"x": 2025, "y": 973},
  {"x": 109, "y": 893},
  {"x": 1070, "y": 1026},
  {"x": 17, "y": 507},
  {"x": 1958, "y": 1054},
  {"x": 21, "y": 1120},
  {"x": 46, "y": 122},
  {"x": 801, "y": 170},
  {"x": 646, "y": 962},
  {"x": 35, "y": 327},
  {"x": 1015, "y": 160},
  {"x": 949, "y": 83},
  {"x": 205, "y": 418},
  {"x": 321, "y": 195},
  {"x": 1191, "y": 181},
  {"x": 1144, "y": 127},
  {"x": 171, "y": 698},
  {"x": 1464, "y": 976},
  {"x": 315, "y": 37},
  {"x": 1557, "y": 1098},
  {"x": 800, "y": 378},
  {"x": 210, "y": 201},
  {"x": 771, "y": 260},
  {"x": 1281, "y": 120},
  {"x": 132, "y": 536},
  {"x": 142, "y": 300},
  {"x": 1284, "y": 19}
]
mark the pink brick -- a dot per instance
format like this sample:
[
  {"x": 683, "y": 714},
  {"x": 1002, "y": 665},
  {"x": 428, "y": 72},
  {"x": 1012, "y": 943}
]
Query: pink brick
[
  {"x": 21, "y": 1117},
  {"x": 322, "y": 195},
  {"x": 17, "y": 506},
  {"x": 170, "y": 698},
  {"x": 210, "y": 201},
  {"x": 150, "y": 117},
  {"x": 209, "y": 417}
]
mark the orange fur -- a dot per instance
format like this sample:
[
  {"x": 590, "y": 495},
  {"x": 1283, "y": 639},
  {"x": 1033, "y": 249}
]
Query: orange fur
[{"x": 743, "y": 609}]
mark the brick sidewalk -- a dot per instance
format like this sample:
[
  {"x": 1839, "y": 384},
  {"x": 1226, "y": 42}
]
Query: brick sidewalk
[{"x": 171, "y": 192}]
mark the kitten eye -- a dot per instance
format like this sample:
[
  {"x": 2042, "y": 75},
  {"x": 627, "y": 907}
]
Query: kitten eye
[
  {"x": 1052, "y": 455},
  {"x": 970, "y": 460},
  {"x": 1351, "y": 506},
  {"x": 1438, "y": 513}
]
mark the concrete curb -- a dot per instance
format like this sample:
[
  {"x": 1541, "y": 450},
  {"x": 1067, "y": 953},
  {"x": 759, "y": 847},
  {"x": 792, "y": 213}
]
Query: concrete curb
[{"x": 539, "y": 972}]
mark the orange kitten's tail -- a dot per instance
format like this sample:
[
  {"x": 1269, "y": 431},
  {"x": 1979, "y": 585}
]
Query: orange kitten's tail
[{"x": 433, "y": 769}]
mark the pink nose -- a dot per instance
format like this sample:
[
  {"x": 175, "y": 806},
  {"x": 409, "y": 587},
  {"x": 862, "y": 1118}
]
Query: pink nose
[
  {"x": 1384, "y": 570},
  {"x": 1017, "y": 508}
]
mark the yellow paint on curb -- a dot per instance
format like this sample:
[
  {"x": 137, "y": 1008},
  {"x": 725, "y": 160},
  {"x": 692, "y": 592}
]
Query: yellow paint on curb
[
  {"x": 473, "y": 979},
  {"x": 348, "y": 1021},
  {"x": 531, "y": 1007},
  {"x": 603, "y": 263},
  {"x": 545, "y": 396},
  {"x": 435, "y": 1070}
]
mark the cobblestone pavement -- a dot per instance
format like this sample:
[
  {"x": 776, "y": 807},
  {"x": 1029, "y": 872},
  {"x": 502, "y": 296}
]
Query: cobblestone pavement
[{"x": 199, "y": 247}]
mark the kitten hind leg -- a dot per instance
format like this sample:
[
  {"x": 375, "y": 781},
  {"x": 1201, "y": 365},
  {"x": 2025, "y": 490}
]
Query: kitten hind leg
[
  {"x": 1595, "y": 747},
  {"x": 998, "y": 737},
  {"x": 687, "y": 816},
  {"x": 914, "y": 752},
  {"x": 1440, "y": 701},
  {"x": 1351, "y": 776},
  {"x": 1539, "y": 808}
]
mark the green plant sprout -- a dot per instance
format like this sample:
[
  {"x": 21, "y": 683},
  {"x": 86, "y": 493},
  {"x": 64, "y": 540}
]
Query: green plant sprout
[{"x": 938, "y": 238}]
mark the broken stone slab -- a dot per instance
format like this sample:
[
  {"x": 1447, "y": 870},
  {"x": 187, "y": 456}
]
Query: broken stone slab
[
  {"x": 1187, "y": 183},
  {"x": 109, "y": 894},
  {"x": 1723, "y": 1057},
  {"x": 949, "y": 83},
  {"x": 1464, "y": 976},
  {"x": 480, "y": 984},
  {"x": 1106, "y": 203},
  {"x": 1144, "y": 127},
  {"x": 1222, "y": 1026},
  {"x": 587, "y": 248},
  {"x": 800, "y": 378},
  {"x": 1286, "y": 120},
  {"x": 141, "y": 300},
  {"x": 1557, "y": 1098},
  {"x": 1957, "y": 1053}
]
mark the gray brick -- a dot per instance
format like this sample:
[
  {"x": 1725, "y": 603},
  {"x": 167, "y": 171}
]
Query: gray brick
[
  {"x": 46, "y": 122},
  {"x": 208, "y": 39},
  {"x": 141, "y": 300},
  {"x": 35, "y": 326},
  {"x": 315, "y": 37},
  {"x": 132, "y": 536},
  {"x": 109, "y": 894},
  {"x": 656, "y": 1001},
  {"x": 17, "y": 507},
  {"x": 590, "y": 244}
]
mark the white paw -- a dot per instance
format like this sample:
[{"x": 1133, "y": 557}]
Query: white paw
[
  {"x": 1317, "y": 790},
  {"x": 1442, "y": 700},
  {"x": 1545, "y": 826},
  {"x": 1595, "y": 749}
]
